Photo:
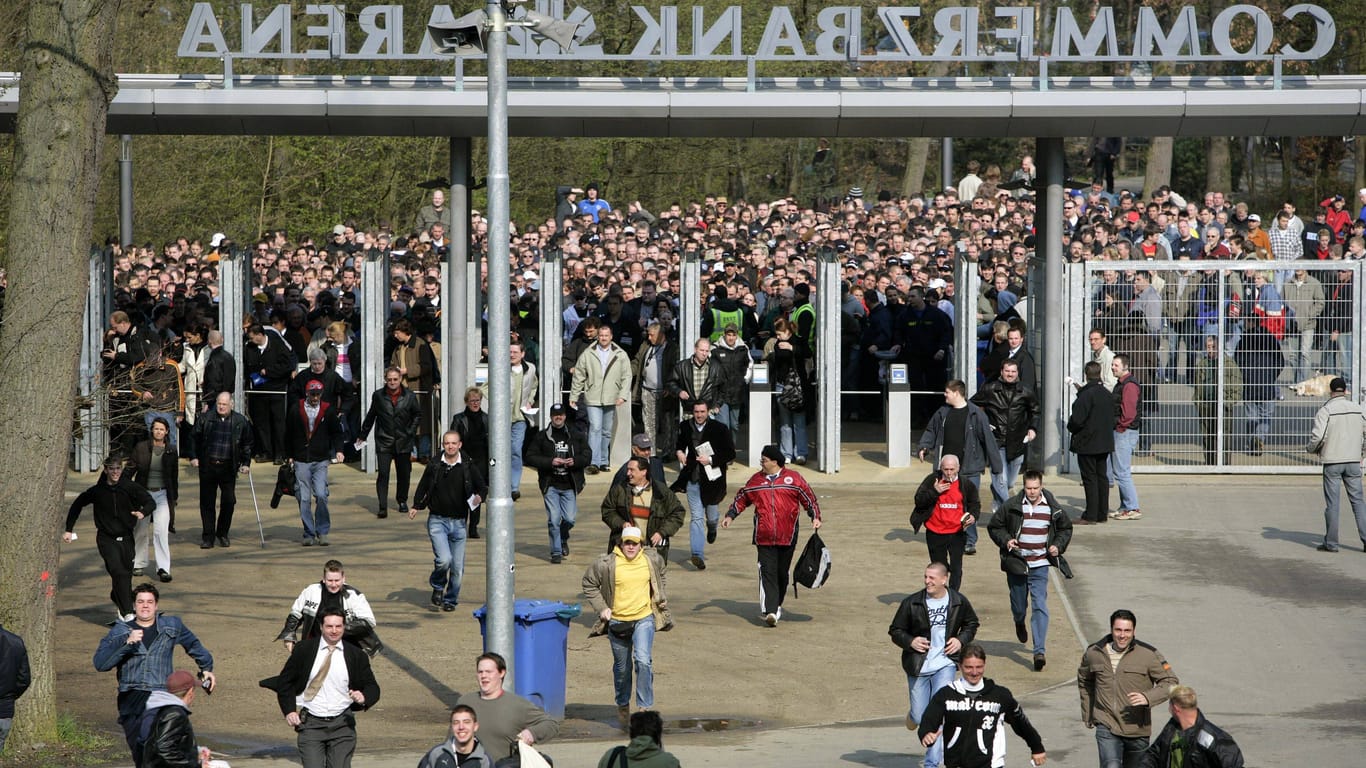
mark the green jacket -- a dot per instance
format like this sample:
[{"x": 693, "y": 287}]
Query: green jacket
[
  {"x": 666, "y": 512},
  {"x": 642, "y": 752}
]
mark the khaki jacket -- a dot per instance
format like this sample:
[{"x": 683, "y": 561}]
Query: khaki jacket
[
  {"x": 1105, "y": 690},
  {"x": 599, "y": 587},
  {"x": 598, "y": 384}
]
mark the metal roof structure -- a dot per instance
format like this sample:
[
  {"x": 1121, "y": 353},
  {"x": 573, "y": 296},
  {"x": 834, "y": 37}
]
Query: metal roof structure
[{"x": 732, "y": 107}]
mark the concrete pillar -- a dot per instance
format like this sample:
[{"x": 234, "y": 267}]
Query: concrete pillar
[
  {"x": 374, "y": 311},
  {"x": 551, "y": 334},
  {"x": 93, "y": 443},
  {"x": 234, "y": 296},
  {"x": 829, "y": 361},
  {"x": 898, "y": 413},
  {"x": 966, "y": 283},
  {"x": 125, "y": 189},
  {"x": 1051, "y": 336},
  {"x": 760, "y": 413},
  {"x": 455, "y": 327},
  {"x": 691, "y": 303}
]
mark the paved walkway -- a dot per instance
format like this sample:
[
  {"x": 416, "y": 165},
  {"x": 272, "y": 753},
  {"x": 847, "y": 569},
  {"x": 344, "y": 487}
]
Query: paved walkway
[{"x": 1221, "y": 572}]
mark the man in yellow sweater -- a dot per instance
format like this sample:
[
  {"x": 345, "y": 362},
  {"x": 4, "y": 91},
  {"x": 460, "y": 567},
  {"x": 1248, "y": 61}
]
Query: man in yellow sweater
[{"x": 626, "y": 588}]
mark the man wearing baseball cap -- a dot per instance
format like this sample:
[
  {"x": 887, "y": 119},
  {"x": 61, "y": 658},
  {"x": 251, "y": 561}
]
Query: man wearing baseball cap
[
  {"x": 1337, "y": 437},
  {"x": 559, "y": 453},
  {"x": 626, "y": 590},
  {"x": 314, "y": 438},
  {"x": 164, "y": 732}
]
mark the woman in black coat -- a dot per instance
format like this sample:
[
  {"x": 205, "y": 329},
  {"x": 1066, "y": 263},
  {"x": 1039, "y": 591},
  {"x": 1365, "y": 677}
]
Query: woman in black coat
[{"x": 473, "y": 426}]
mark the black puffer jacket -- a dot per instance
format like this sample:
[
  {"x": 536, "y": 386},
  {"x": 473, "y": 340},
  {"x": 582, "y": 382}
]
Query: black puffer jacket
[
  {"x": 1013, "y": 410},
  {"x": 397, "y": 421},
  {"x": 1207, "y": 746}
]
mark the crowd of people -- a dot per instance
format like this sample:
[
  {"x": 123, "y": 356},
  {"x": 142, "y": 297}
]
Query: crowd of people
[{"x": 1229, "y": 334}]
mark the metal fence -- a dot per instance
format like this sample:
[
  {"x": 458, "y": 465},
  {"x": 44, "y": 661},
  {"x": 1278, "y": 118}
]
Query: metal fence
[{"x": 1233, "y": 357}]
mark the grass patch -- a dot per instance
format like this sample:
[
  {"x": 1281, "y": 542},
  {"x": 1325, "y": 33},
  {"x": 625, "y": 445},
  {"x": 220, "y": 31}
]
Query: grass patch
[{"x": 77, "y": 745}]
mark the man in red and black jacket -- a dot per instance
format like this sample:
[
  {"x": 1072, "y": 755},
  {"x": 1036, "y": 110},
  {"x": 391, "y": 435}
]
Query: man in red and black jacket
[
  {"x": 778, "y": 495},
  {"x": 314, "y": 437}
]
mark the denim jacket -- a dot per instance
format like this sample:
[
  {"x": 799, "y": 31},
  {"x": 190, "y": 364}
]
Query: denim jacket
[{"x": 146, "y": 668}]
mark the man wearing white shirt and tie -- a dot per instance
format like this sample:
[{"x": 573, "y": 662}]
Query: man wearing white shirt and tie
[{"x": 318, "y": 690}]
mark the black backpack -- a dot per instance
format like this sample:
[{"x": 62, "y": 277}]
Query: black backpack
[{"x": 813, "y": 566}]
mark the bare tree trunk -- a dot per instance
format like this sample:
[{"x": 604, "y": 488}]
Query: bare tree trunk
[
  {"x": 1219, "y": 165},
  {"x": 265, "y": 185},
  {"x": 917, "y": 157},
  {"x": 1287, "y": 165},
  {"x": 68, "y": 82},
  {"x": 1159, "y": 166}
]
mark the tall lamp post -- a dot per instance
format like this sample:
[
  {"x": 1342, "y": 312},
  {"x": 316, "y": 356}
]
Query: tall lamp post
[{"x": 474, "y": 33}]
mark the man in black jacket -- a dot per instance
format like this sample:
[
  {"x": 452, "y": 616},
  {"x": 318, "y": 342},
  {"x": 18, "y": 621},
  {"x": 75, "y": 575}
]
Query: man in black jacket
[
  {"x": 695, "y": 378},
  {"x": 314, "y": 435},
  {"x": 1092, "y": 425},
  {"x": 704, "y": 450},
  {"x": 394, "y": 413},
  {"x": 559, "y": 453},
  {"x": 220, "y": 373},
  {"x": 931, "y": 627},
  {"x": 119, "y": 505},
  {"x": 14, "y": 678},
  {"x": 1013, "y": 410},
  {"x": 268, "y": 363},
  {"x": 319, "y": 690},
  {"x": 971, "y": 712},
  {"x": 452, "y": 486},
  {"x": 1204, "y": 744},
  {"x": 164, "y": 732},
  {"x": 1032, "y": 530},
  {"x": 222, "y": 449}
]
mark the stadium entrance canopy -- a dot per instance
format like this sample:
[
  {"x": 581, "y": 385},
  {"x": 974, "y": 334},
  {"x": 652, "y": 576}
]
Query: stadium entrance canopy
[{"x": 1038, "y": 92}]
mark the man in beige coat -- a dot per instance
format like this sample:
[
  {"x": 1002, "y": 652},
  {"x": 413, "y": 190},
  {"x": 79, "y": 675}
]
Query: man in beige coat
[
  {"x": 603, "y": 376},
  {"x": 626, "y": 589}
]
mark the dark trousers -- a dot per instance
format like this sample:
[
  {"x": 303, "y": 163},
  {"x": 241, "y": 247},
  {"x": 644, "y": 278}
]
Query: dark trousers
[
  {"x": 775, "y": 563},
  {"x": 1097, "y": 487},
  {"x": 217, "y": 477},
  {"x": 267, "y": 411},
  {"x": 327, "y": 743},
  {"x": 403, "y": 462},
  {"x": 131, "y": 706},
  {"x": 118, "y": 561},
  {"x": 947, "y": 548}
]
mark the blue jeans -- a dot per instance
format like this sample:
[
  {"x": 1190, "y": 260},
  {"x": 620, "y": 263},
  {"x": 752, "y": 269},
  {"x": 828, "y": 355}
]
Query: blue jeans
[
  {"x": 1349, "y": 473},
  {"x": 634, "y": 654},
  {"x": 173, "y": 438},
  {"x": 310, "y": 482},
  {"x": 601, "y": 419},
  {"x": 791, "y": 431},
  {"x": 971, "y": 541},
  {"x": 5, "y": 723},
  {"x": 1339, "y": 360},
  {"x": 518, "y": 438},
  {"x": 448, "y": 556},
  {"x": 1122, "y": 462},
  {"x": 1003, "y": 482},
  {"x": 1032, "y": 588},
  {"x": 1259, "y": 415},
  {"x": 1119, "y": 751},
  {"x": 730, "y": 416},
  {"x": 702, "y": 516},
  {"x": 561, "y": 507},
  {"x": 923, "y": 688}
]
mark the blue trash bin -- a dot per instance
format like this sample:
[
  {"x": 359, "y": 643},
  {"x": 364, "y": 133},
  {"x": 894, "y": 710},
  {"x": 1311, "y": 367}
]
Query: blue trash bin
[{"x": 540, "y": 650}]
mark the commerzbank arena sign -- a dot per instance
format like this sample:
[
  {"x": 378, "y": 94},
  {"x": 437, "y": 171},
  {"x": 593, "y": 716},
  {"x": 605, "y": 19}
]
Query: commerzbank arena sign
[{"x": 833, "y": 33}]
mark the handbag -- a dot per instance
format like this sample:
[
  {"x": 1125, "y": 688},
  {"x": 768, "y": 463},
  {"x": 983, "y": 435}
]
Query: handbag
[{"x": 792, "y": 397}]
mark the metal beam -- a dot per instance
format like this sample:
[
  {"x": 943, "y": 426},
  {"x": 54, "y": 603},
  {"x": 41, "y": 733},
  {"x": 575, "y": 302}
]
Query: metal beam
[
  {"x": 455, "y": 335},
  {"x": 374, "y": 312},
  {"x": 1048, "y": 248},
  {"x": 125, "y": 189},
  {"x": 234, "y": 296},
  {"x": 551, "y": 332},
  {"x": 829, "y": 360}
]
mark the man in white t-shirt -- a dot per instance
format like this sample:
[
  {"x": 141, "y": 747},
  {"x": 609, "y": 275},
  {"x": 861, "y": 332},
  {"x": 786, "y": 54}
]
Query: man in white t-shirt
[{"x": 931, "y": 627}]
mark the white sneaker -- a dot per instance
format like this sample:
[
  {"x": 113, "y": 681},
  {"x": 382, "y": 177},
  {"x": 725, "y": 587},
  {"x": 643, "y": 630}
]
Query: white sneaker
[{"x": 771, "y": 619}]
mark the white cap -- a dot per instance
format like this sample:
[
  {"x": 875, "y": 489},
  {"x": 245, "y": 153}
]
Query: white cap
[
  {"x": 631, "y": 533},
  {"x": 530, "y": 275},
  {"x": 217, "y": 239}
]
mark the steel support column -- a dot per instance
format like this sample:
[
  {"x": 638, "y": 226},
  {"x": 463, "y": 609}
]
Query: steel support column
[
  {"x": 552, "y": 334},
  {"x": 374, "y": 311},
  {"x": 1048, "y": 250},
  {"x": 829, "y": 361},
  {"x": 234, "y": 296},
  {"x": 125, "y": 189},
  {"x": 93, "y": 443}
]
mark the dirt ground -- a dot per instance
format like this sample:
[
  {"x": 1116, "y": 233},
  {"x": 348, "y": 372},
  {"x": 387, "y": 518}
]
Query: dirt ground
[{"x": 830, "y": 659}]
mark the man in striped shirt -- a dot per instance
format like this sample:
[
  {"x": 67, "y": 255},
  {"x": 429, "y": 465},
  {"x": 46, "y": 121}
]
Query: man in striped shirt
[{"x": 1032, "y": 530}]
